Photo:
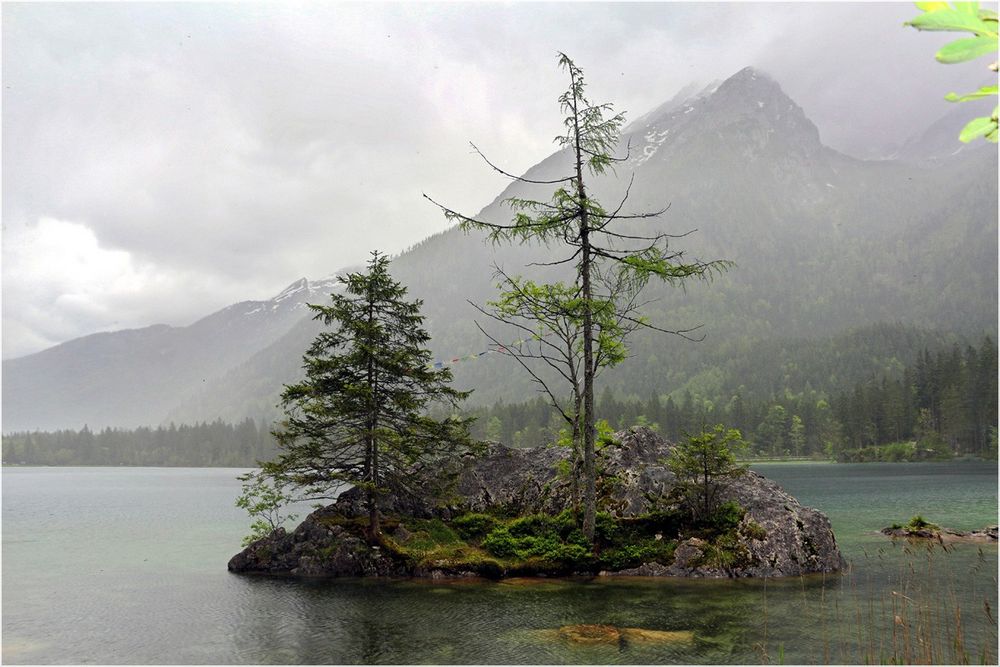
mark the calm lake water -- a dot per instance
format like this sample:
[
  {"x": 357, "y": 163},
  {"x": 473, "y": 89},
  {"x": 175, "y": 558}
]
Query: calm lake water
[{"x": 128, "y": 565}]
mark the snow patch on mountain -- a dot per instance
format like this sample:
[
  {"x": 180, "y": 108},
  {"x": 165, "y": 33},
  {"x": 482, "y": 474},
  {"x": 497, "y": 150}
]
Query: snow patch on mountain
[
  {"x": 296, "y": 296},
  {"x": 291, "y": 290},
  {"x": 653, "y": 139}
]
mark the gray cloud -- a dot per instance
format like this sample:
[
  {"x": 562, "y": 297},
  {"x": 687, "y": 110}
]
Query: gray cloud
[{"x": 193, "y": 155}]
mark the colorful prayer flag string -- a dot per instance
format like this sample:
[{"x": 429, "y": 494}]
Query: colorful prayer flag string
[{"x": 499, "y": 349}]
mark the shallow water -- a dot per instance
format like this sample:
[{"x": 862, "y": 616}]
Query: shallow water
[{"x": 128, "y": 565}]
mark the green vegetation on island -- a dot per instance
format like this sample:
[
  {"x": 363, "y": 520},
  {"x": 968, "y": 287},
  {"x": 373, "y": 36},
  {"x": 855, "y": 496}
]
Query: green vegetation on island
[
  {"x": 511, "y": 512},
  {"x": 492, "y": 546},
  {"x": 916, "y": 523}
]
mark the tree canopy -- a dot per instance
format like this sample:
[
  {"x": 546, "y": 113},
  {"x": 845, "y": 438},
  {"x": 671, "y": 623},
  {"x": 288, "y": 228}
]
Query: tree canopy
[
  {"x": 703, "y": 464},
  {"x": 359, "y": 416}
]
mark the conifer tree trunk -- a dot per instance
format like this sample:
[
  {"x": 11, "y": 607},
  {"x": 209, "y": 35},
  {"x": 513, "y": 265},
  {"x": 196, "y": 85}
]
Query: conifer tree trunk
[
  {"x": 373, "y": 521},
  {"x": 575, "y": 468},
  {"x": 601, "y": 304},
  {"x": 372, "y": 496},
  {"x": 589, "y": 470}
]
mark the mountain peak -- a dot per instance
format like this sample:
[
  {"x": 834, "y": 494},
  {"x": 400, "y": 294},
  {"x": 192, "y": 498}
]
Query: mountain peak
[
  {"x": 750, "y": 73},
  {"x": 687, "y": 95},
  {"x": 297, "y": 286},
  {"x": 749, "y": 110},
  {"x": 752, "y": 82}
]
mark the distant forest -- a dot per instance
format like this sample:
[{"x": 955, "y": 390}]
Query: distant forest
[
  {"x": 943, "y": 404},
  {"x": 205, "y": 444}
]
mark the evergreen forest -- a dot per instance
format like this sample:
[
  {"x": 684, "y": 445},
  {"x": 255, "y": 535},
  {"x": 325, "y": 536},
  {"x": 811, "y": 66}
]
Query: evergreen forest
[{"x": 942, "y": 403}]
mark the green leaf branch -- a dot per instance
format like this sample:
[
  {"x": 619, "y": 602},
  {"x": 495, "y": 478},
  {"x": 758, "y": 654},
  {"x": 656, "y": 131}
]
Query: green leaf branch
[{"x": 982, "y": 23}]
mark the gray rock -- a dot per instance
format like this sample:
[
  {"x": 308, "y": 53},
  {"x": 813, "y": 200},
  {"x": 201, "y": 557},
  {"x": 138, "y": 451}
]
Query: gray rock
[
  {"x": 778, "y": 537},
  {"x": 988, "y": 534},
  {"x": 697, "y": 564},
  {"x": 799, "y": 540},
  {"x": 314, "y": 549}
]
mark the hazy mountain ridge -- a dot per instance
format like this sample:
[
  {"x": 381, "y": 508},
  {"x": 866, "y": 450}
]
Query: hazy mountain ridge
[
  {"x": 937, "y": 141},
  {"x": 823, "y": 242},
  {"x": 134, "y": 377}
]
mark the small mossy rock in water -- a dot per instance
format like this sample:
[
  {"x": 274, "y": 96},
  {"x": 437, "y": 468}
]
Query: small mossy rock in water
[
  {"x": 537, "y": 583},
  {"x": 988, "y": 534},
  {"x": 776, "y": 537}
]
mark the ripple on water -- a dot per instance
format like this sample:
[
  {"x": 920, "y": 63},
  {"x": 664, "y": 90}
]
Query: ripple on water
[{"x": 128, "y": 566}]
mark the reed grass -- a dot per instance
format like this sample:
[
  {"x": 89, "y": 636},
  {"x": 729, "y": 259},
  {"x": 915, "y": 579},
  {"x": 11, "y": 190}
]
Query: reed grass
[{"x": 915, "y": 616}]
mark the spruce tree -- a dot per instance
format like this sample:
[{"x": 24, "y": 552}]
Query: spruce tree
[
  {"x": 703, "y": 464},
  {"x": 359, "y": 416}
]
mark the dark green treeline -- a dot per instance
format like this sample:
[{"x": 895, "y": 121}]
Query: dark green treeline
[
  {"x": 948, "y": 398},
  {"x": 944, "y": 402},
  {"x": 205, "y": 444}
]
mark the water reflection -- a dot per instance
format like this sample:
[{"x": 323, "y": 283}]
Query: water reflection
[
  {"x": 146, "y": 583},
  {"x": 812, "y": 619},
  {"x": 363, "y": 621}
]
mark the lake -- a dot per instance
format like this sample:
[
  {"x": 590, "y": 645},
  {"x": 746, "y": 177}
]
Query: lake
[{"x": 128, "y": 565}]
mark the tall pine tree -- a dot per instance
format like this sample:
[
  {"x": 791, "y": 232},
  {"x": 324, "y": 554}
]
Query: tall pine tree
[
  {"x": 599, "y": 246},
  {"x": 359, "y": 417}
]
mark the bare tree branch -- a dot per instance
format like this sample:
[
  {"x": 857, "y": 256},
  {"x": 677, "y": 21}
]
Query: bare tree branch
[
  {"x": 521, "y": 179},
  {"x": 544, "y": 387}
]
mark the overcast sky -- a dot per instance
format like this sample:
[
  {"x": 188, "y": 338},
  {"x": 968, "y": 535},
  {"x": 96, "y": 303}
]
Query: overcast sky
[{"x": 163, "y": 161}]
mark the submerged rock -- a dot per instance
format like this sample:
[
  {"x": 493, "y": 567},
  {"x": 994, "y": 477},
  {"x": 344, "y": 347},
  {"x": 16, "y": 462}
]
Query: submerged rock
[
  {"x": 594, "y": 634},
  {"x": 646, "y": 636},
  {"x": 777, "y": 537},
  {"x": 590, "y": 634}
]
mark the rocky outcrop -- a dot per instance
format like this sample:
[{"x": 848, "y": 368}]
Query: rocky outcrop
[
  {"x": 799, "y": 540},
  {"x": 777, "y": 536},
  {"x": 988, "y": 534},
  {"x": 316, "y": 549}
]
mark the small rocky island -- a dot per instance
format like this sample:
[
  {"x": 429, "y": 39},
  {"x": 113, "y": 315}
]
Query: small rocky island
[
  {"x": 508, "y": 512},
  {"x": 920, "y": 529}
]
